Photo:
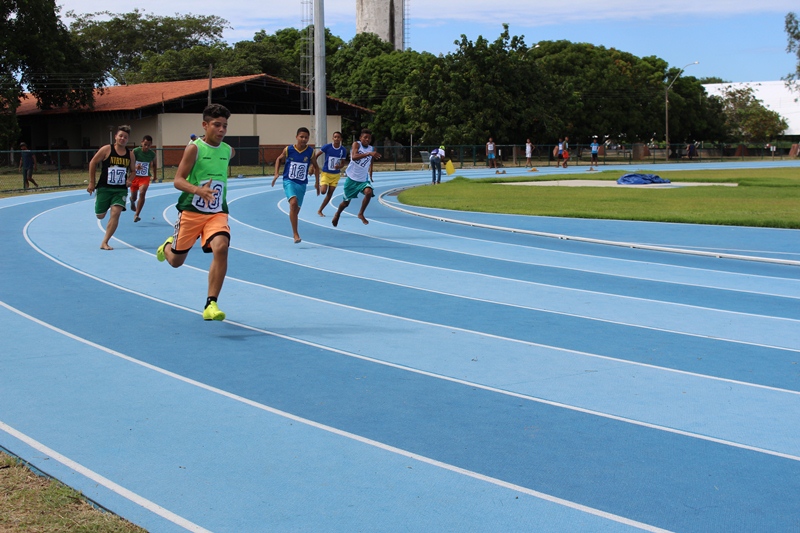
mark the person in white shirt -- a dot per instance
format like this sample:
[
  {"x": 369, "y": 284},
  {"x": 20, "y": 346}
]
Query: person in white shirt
[
  {"x": 528, "y": 153},
  {"x": 490, "y": 153},
  {"x": 437, "y": 155},
  {"x": 359, "y": 176}
]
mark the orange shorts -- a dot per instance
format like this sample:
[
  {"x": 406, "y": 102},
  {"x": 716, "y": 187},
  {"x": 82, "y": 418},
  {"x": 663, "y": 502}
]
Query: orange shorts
[
  {"x": 138, "y": 181},
  {"x": 190, "y": 226}
]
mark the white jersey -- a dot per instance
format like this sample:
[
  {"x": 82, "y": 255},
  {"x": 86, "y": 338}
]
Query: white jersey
[
  {"x": 528, "y": 149},
  {"x": 358, "y": 169}
]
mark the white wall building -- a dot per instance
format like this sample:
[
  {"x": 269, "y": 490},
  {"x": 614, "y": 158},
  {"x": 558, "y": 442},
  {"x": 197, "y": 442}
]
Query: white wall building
[{"x": 774, "y": 95}]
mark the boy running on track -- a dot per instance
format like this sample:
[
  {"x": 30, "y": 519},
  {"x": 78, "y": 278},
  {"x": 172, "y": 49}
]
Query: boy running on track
[
  {"x": 335, "y": 155},
  {"x": 117, "y": 165},
  {"x": 145, "y": 172},
  {"x": 202, "y": 177},
  {"x": 299, "y": 164},
  {"x": 359, "y": 176}
]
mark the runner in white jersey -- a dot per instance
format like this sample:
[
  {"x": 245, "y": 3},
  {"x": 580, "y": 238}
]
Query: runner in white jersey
[{"x": 359, "y": 176}]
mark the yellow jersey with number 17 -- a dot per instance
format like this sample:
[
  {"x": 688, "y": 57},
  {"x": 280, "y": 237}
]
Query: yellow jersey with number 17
[{"x": 211, "y": 166}]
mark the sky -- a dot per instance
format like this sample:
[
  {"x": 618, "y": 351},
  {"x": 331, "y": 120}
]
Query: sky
[{"x": 738, "y": 41}]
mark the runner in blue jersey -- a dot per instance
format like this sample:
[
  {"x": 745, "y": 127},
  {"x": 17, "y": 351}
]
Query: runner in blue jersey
[
  {"x": 335, "y": 156},
  {"x": 299, "y": 164}
]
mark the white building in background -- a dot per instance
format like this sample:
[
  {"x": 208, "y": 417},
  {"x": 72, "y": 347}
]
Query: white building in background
[
  {"x": 384, "y": 18},
  {"x": 774, "y": 95}
]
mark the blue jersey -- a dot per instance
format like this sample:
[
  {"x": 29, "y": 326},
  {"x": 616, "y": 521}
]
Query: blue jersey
[
  {"x": 332, "y": 158},
  {"x": 595, "y": 147},
  {"x": 297, "y": 163}
]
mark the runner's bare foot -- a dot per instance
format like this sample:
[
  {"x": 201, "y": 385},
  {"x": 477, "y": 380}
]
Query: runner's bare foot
[
  {"x": 364, "y": 220},
  {"x": 320, "y": 213},
  {"x": 104, "y": 246},
  {"x": 335, "y": 220}
]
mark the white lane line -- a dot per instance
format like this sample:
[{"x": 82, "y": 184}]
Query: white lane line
[
  {"x": 97, "y": 478},
  {"x": 532, "y": 283},
  {"x": 424, "y": 372},
  {"x": 747, "y": 278},
  {"x": 335, "y": 431},
  {"x": 717, "y": 255},
  {"x": 430, "y": 324},
  {"x": 508, "y": 304}
]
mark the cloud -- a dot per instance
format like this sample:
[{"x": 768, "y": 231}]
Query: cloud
[
  {"x": 530, "y": 14},
  {"x": 246, "y": 17}
]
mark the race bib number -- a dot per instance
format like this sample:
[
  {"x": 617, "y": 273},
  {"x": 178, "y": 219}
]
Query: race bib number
[
  {"x": 143, "y": 169},
  {"x": 298, "y": 171},
  {"x": 116, "y": 176},
  {"x": 363, "y": 162},
  {"x": 215, "y": 206},
  {"x": 333, "y": 162}
]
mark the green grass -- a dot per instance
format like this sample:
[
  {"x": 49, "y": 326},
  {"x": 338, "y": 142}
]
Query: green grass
[
  {"x": 29, "y": 502},
  {"x": 764, "y": 197}
]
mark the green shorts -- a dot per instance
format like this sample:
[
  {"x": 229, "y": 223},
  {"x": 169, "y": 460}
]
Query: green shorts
[
  {"x": 105, "y": 197},
  {"x": 353, "y": 188}
]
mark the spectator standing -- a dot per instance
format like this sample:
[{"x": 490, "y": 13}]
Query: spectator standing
[
  {"x": 27, "y": 164},
  {"x": 528, "y": 153},
  {"x": 490, "y": 153},
  {"x": 437, "y": 155},
  {"x": 595, "y": 150}
]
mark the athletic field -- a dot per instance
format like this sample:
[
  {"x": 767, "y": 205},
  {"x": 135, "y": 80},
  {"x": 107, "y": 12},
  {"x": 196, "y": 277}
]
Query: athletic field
[{"x": 446, "y": 372}]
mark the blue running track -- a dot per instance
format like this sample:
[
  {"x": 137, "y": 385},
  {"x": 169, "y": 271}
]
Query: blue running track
[{"x": 430, "y": 371}]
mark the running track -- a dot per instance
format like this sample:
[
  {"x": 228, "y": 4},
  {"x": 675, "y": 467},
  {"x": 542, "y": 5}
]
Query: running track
[{"x": 409, "y": 375}]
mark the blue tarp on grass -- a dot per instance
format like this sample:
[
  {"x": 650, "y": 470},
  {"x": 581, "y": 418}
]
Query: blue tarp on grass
[{"x": 640, "y": 179}]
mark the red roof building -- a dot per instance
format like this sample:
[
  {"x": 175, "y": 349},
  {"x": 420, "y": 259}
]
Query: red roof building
[{"x": 266, "y": 112}]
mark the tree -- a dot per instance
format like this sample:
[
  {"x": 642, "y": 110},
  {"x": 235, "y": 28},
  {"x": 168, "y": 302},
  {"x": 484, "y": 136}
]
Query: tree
[
  {"x": 602, "y": 91},
  {"x": 350, "y": 76},
  {"x": 280, "y": 54},
  {"x": 693, "y": 115},
  {"x": 192, "y": 63},
  {"x": 39, "y": 54},
  {"x": 277, "y": 54},
  {"x": 747, "y": 118},
  {"x": 712, "y": 79},
  {"x": 482, "y": 89},
  {"x": 793, "y": 44},
  {"x": 123, "y": 41}
]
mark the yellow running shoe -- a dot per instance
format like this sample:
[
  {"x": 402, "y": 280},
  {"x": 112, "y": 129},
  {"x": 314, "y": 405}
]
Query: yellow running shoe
[
  {"x": 160, "y": 251},
  {"x": 212, "y": 312}
]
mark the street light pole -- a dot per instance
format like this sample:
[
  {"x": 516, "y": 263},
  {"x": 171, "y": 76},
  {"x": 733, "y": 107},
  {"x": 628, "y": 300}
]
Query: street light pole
[{"x": 666, "y": 104}]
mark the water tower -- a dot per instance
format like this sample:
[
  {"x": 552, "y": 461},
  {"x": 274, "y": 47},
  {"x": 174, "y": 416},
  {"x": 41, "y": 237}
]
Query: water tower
[{"x": 386, "y": 21}]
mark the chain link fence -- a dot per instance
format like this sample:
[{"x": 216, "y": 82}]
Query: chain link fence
[{"x": 70, "y": 168}]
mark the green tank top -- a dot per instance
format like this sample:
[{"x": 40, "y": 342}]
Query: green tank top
[
  {"x": 143, "y": 162},
  {"x": 211, "y": 166}
]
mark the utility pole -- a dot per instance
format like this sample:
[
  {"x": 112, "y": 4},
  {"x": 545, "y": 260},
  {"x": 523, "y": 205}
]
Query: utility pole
[
  {"x": 666, "y": 104},
  {"x": 210, "y": 78},
  {"x": 320, "y": 87}
]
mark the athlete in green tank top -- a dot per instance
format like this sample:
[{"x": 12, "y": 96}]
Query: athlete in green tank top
[
  {"x": 211, "y": 166},
  {"x": 202, "y": 178}
]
